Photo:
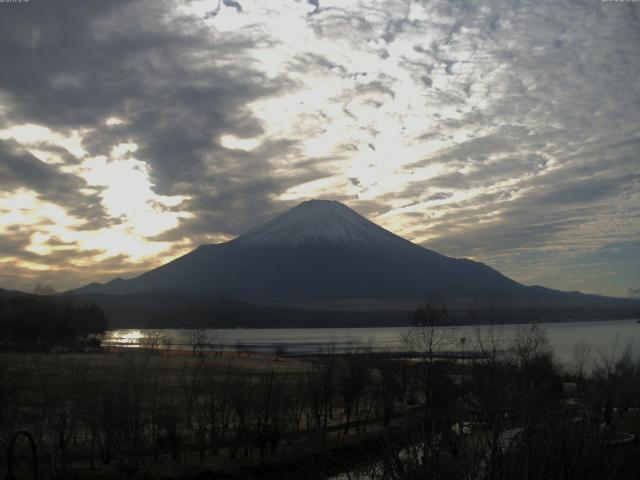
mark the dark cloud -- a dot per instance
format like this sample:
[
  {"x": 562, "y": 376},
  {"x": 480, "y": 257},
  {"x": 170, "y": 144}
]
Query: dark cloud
[
  {"x": 487, "y": 173},
  {"x": 233, "y": 4},
  {"x": 316, "y": 4},
  {"x": 16, "y": 240},
  {"x": 314, "y": 60},
  {"x": 427, "y": 80},
  {"x": 478, "y": 148},
  {"x": 548, "y": 214},
  {"x": 20, "y": 169},
  {"x": 59, "y": 153},
  {"x": 167, "y": 77},
  {"x": 440, "y": 196},
  {"x": 212, "y": 13},
  {"x": 63, "y": 273},
  {"x": 65, "y": 261}
]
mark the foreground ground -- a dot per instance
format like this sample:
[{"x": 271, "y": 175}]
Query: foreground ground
[{"x": 151, "y": 414}]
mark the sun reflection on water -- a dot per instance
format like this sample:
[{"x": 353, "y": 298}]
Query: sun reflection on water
[{"x": 129, "y": 338}]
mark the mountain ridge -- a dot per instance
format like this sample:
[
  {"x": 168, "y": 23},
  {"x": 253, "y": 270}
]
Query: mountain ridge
[{"x": 318, "y": 251}]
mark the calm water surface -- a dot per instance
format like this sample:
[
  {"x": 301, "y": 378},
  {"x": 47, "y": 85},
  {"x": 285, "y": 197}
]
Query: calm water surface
[{"x": 604, "y": 337}]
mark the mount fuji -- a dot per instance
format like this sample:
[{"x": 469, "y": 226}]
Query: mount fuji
[{"x": 318, "y": 251}]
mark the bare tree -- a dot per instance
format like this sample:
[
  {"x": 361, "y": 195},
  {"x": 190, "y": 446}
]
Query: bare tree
[
  {"x": 191, "y": 380},
  {"x": 580, "y": 353},
  {"x": 425, "y": 337},
  {"x": 60, "y": 408},
  {"x": 218, "y": 405},
  {"x": 320, "y": 386},
  {"x": 243, "y": 406},
  {"x": 167, "y": 343},
  {"x": 157, "y": 385},
  {"x": 198, "y": 338},
  {"x": 272, "y": 404},
  {"x": 387, "y": 389},
  {"x": 150, "y": 341},
  {"x": 353, "y": 378}
]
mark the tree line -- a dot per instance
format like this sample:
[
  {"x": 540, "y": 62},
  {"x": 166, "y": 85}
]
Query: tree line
[{"x": 46, "y": 320}]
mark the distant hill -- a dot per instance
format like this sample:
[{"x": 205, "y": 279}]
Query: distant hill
[
  {"x": 174, "y": 309},
  {"x": 166, "y": 309},
  {"x": 4, "y": 294}
]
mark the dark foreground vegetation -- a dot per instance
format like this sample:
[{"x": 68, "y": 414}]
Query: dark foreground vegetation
[
  {"x": 38, "y": 320},
  {"x": 505, "y": 412}
]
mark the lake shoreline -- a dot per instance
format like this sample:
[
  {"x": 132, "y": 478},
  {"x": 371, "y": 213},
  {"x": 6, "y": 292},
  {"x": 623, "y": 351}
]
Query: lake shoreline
[{"x": 603, "y": 335}]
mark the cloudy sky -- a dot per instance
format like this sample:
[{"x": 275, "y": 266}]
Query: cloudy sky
[{"x": 507, "y": 132}]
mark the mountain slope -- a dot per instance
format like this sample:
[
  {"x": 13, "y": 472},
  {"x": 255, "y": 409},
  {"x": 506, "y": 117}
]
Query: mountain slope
[
  {"x": 319, "y": 250},
  {"x": 321, "y": 222}
]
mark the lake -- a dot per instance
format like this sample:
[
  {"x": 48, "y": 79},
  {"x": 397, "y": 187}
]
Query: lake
[{"x": 604, "y": 338}]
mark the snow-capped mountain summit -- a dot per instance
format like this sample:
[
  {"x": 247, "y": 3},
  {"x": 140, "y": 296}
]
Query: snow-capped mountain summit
[
  {"x": 317, "y": 251},
  {"x": 320, "y": 222}
]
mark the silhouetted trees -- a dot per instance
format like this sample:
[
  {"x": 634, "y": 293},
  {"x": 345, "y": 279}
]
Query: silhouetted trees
[
  {"x": 353, "y": 381},
  {"x": 45, "y": 320}
]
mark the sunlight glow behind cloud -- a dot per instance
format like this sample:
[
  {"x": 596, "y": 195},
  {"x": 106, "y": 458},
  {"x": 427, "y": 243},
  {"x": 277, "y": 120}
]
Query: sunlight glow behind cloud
[{"x": 486, "y": 131}]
